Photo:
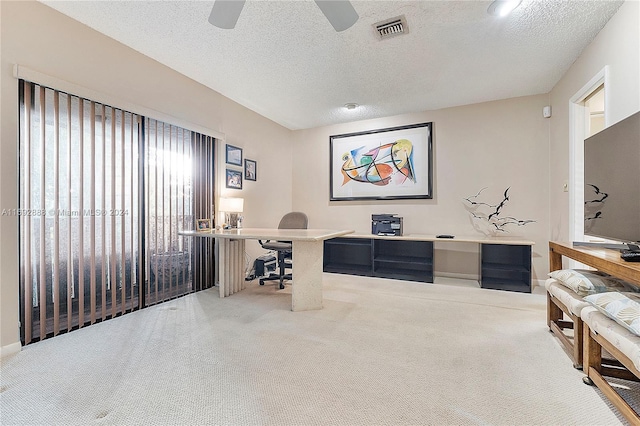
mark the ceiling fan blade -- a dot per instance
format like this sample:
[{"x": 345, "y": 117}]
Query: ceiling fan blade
[
  {"x": 340, "y": 13},
  {"x": 225, "y": 13}
]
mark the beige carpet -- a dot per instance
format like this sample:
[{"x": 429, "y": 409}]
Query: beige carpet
[{"x": 381, "y": 352}]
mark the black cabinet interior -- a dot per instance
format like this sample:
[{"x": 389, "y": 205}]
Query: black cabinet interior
[
  {"x": 348, "y": 256},
  {"x": 503, "y": 266},
  {"x": 405, "y": 260},
  {"x": 506, "y": 267}
]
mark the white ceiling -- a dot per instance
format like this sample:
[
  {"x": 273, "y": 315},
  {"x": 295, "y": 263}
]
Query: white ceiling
[{"x": 286, "y": 62}]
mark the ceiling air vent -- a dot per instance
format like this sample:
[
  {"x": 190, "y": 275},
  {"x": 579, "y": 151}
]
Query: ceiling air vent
[{"x": 391, "y": 27}]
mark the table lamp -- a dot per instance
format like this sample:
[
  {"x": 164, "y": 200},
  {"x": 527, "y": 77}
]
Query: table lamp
[{"x": 231, "y": 207}]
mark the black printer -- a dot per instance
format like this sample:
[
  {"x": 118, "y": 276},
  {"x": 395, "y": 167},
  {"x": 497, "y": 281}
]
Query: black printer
[{"x": 386, "y": 224}]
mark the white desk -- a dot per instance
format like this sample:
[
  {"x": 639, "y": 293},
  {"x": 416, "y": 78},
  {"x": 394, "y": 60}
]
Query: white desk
[{"x": 306, "y": 293}]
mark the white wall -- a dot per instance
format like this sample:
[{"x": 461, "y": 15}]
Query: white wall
[
  {"x": 41, "y": 39},
  {"x": 617, "y": 47},
  {"x": 496, "y": 145}
]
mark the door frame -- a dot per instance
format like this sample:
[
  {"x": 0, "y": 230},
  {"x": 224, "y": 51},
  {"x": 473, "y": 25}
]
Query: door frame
[{"x": 578, "y": 119}]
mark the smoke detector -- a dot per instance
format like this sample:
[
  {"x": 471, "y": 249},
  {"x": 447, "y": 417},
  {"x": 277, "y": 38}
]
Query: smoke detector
[{"x": 391, "y": 27}]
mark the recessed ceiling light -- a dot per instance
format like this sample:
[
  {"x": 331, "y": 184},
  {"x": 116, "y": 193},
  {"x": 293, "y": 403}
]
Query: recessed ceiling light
[
  {"x": 351, "y": 106},
  {"x": 503, "y": 7}
]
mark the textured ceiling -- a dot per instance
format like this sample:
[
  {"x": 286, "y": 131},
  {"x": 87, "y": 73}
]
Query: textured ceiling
[{"x": 286, "y": 62}]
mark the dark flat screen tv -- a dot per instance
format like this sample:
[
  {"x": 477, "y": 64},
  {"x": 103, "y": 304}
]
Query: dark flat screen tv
[{"x": 612, "y": 182}]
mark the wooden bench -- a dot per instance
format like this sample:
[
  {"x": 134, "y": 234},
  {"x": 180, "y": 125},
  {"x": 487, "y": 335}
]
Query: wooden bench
[
  {"x": 601, "y": 332},
  {"x": 563, "y": 312},
  {"x": 602, "y": 259}
]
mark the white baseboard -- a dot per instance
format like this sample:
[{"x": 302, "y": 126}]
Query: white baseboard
[
  {"x": 537, "y": 286},
  {"x": 539, "y": 282},
  {"x": 11, "y": 349},
  {"x": 473, "y": 277}
]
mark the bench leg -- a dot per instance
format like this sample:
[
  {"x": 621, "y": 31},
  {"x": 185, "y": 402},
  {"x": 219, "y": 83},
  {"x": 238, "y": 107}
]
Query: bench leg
[
  {"x": 556, "y": 323},
  {"x": 591, "y": 355},
  {"x": 578, "y": 343},
  {"x": 554, "y": 313}
]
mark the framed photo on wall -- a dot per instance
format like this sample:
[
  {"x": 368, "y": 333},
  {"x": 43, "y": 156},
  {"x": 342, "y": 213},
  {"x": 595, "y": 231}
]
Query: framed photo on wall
[
  {"x": 384, "y": 164},
  {"x": 234, "y": 179},
  {"x": 233, "y": 155},
  {"x": 250, "y": 169}
]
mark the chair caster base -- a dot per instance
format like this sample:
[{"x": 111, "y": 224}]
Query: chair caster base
[{"x": 587, "y": 381}]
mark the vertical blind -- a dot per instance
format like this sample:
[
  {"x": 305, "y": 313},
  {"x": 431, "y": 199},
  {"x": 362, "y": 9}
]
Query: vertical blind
[
  {"x": 202, "y": 148},
  {"x": 179, "y": 175},
  {"x": 91, "y": 231}
]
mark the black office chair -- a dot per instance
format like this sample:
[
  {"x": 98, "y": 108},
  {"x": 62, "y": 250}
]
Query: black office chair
[{"x": 293, "y": 220}]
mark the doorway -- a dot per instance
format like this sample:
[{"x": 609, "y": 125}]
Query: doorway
[{"x": 587, "y": 116}]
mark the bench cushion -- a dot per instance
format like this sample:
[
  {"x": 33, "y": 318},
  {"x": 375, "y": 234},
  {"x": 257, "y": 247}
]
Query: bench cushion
[
  {"x": 623, "y": 308},
  {"x": 585, "y": 282},
  {"x": 624, "y": 340},
  {"x": 569, "y": 298}
]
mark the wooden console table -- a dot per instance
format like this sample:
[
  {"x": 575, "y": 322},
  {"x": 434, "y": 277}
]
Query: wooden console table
[{"x": 602, "y": 259}]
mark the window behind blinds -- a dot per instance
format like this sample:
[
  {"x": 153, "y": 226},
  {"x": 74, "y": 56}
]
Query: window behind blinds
[{"x": 103, "y": 195}]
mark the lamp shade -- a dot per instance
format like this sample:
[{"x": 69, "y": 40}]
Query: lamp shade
[{"x": 231, "y": 205}]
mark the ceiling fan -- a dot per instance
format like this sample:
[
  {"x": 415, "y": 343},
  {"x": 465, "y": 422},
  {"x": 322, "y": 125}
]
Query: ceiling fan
[{"x": 340, "y": 13}]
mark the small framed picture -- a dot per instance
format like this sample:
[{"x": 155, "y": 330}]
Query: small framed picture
[
  {"x": 234, "y": 179},
  {"x": 250, "y": 167},
  {"x": 233, "y": 155},
  {"x": 203, "y": 225}
]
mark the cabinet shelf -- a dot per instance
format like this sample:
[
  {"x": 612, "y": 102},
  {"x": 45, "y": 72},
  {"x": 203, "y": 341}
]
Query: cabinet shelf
[
  {"x": 506, "y": 273},
  {"x": 504, "y": 267},
  {"x": 402, "y": 259},
  {"x": 348, "y": 268},
  {"x": 403, "y": 265},
  {"x": 393, "y": 273}
]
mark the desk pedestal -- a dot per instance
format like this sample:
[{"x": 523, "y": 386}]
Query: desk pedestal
[
  {"x": 231, "y": 278},
  {"x": 306, "y": 290}
]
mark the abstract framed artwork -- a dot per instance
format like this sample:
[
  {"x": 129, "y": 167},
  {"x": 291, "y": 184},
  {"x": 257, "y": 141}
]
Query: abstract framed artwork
[
  {"x": 250, "y": 169},
  {"x": 234, "y": 179},
  {"x": 233, "y": 155},
  {"x": 384, "y": 164}
]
